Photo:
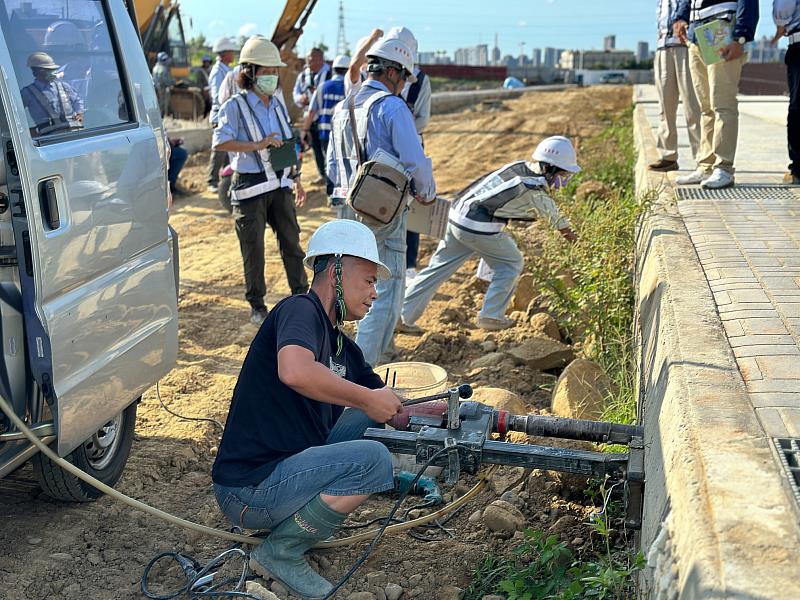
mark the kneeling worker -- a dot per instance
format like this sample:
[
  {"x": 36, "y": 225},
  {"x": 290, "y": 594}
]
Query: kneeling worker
[
  {"x": 519, "y": 190},
  {"x": 291, "y": 458}
]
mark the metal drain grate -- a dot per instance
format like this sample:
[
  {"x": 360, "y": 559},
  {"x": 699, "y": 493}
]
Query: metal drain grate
[
  {"x": 739, "y": 192},
  {"x": 789, "y": 453}
]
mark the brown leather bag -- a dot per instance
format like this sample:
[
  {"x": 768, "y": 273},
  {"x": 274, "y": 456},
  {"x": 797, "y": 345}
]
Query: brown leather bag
[{"x": 378, "y": 193}]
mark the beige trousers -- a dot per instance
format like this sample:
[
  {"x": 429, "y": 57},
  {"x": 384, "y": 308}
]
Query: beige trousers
[
  {"x": 716, "y": 87},
  {"x": 674, "y": 83}
]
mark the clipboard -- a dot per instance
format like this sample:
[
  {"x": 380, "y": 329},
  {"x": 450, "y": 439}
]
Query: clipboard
[{"x": 712, "y": 37}]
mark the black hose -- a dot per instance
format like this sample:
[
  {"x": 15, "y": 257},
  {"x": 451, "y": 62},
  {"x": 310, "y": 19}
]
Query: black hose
[{"x": 573, "y": 429}]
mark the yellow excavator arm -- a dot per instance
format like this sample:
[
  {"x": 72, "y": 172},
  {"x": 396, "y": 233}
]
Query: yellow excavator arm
[{"x": 290, "y": 24}]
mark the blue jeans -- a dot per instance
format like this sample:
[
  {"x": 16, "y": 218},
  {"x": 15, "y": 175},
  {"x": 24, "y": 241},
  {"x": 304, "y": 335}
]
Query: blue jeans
[
  {"x": 344, "y": 466},
  {"x": 412, "y": 249},
  {"x": 376, "y": 329},
  {"x": 499, "y": 251},
  {"x": 177, "y": 159}
]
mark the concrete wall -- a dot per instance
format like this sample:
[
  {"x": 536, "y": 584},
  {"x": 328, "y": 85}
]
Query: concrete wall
[
  {"x": 593, "y": 77},
  {"x": 446, "y": 102},
  {"x": 197, "y": 137},
  {"x": 716, "y": 520}
]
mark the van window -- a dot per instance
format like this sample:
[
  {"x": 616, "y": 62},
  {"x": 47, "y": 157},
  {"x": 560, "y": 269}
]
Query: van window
[{"x": 65, "y": 65}]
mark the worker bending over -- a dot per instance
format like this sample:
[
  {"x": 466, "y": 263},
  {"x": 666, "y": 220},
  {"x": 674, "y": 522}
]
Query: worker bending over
[
  {"x": 519, "y": 190},
  {"x": 291, "y": 458}
]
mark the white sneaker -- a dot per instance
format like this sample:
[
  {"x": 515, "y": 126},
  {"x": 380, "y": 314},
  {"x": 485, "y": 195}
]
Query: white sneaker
[
  {"x": 693, "y": 178},
  {"x": 719, "y": 179},
  {"x": 411, "y": 273}
]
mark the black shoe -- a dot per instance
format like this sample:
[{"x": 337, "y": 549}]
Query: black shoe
[
  {"x": 663, "y": 165},
  {"x": 258, "y": 315}
]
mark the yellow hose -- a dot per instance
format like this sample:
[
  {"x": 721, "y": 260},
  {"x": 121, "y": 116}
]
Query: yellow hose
[{"x": 221, "y": 533}]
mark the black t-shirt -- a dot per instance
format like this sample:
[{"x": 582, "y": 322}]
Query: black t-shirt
[{"x": 268, "y": 421}]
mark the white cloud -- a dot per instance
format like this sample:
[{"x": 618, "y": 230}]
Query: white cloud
[{"x": 248, "y": 29}]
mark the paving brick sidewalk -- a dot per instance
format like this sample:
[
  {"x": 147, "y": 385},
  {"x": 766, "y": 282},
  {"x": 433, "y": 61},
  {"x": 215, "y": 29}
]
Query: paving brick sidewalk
[{"x": 748, "y": 243}]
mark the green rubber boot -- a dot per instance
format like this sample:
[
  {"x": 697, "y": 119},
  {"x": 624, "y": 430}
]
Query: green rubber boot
[{"x": 280, "y": 556}]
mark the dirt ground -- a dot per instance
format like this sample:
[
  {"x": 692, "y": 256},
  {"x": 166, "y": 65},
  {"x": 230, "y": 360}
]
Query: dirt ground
[{"x": 99, "y": 550}]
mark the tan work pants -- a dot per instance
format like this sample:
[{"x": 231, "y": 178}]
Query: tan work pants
[
  {"x": 716, "y": 87},
  {"x": 673, "y": 83}
]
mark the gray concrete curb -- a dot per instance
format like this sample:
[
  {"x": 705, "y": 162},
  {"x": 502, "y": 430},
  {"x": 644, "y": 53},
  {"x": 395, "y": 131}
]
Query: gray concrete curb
[{"x": 717, "y": 519}]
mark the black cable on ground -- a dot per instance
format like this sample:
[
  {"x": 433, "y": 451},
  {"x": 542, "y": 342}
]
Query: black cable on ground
[
  {"x": 174, "y": 414},
  {"x": 386, "y": 523},
  {"x": 194, "y": 571}
]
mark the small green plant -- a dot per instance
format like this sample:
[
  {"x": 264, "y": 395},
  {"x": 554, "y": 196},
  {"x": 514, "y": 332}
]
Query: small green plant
[
  {"x": 589, "y": 285},
  {"x": 542, "y": 568}
]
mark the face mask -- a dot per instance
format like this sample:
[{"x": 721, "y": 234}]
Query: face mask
[
  {"x": 559, "y": 181},
  {"x": 267, "y": 84},
  {"x": 51, "y": 76}
]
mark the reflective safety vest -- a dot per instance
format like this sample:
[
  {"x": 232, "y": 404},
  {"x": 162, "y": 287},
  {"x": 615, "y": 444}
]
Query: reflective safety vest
[
  {"x": 704, "y": 10},
  {"x": 55, "y": 119},
  {"x": 272, "y": 181},
  {"x": 664, "y": 13},
  {"x": 347, "y": 163},
  {"x": 332, "y": 93},
  {"x": 514, "y": 191}
]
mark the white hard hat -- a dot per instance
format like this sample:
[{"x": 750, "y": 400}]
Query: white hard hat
[
  {"x": 394, "y": 50},
  {"x": 341, "y": 62},
  {"x": 258, "y": 50},
  {"x": 162, "y": 57},
  {"x": 557, "y": 151},
  {"x": 64, "y": 34},
  {"x": 404, "y": 35},
  {"x": 347, "y": 238},
  {"x": 224, "y": 44}
]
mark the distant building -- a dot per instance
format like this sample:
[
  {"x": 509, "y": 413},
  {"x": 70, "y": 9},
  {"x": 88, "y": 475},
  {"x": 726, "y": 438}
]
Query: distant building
[
  {"x": 762, "y": 51},
  {"x": 495, "y": 52},
  {"x": 551, "y": 56},
  {"x": 508, "y": 61},
  {"x": 595, "y": 59},
  {"x": 474, "y": 56},
  {"x": 642, "y": 51},
  {"x": 536, "y": 57},
  {"x": 434, "y": 58},
  {"x": 610, "y": 42}
]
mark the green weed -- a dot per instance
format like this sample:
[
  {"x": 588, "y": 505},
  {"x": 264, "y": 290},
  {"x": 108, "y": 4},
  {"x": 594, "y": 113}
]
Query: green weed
[
  {"x": 542, "y": 568},
  {"x": 589, "y": 285}
]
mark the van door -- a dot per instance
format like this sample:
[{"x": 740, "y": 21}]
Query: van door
[{"x": 87, "y": 138}]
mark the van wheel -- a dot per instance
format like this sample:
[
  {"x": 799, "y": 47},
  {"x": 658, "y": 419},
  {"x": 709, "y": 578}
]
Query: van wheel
[
  {"x": 223, "y": 187},
  {"x": 103, "y": 456}
]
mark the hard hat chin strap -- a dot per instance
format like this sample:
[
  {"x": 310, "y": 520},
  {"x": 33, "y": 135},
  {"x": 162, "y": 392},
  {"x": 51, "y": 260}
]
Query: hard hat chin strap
[{"x": 339, "y": 306}]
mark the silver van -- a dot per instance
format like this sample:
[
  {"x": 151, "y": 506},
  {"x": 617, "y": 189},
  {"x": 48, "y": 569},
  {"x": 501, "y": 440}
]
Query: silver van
[{"x": 88, "y": 266}]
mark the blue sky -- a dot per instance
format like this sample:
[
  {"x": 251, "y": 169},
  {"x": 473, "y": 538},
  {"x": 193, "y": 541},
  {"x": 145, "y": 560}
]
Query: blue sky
[{"x": 450, "y": 24}]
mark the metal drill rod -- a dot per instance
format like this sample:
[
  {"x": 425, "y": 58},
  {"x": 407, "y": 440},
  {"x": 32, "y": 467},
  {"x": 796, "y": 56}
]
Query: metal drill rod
[{"x": 464, "y": 391}]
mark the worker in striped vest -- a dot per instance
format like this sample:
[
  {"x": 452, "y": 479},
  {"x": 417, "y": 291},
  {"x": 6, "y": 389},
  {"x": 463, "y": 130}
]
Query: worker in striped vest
[{"x": 323, "y": 101}]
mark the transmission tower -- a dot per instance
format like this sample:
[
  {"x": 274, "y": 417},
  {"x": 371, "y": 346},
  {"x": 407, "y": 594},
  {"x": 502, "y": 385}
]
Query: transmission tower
[{"x": 341, "y": 40}]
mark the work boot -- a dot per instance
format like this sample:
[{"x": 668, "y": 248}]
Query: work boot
[
  {"x": 791, "y": 179},
  {"x": 695, "y": 177},
  {"x": 490, "y": 324},
  {"x": 719, "y": 179},
  {"x": 258, "y": 315},
  {"x": 663, "y": 165},
  {"x": 409, "y": 329},
  {"x": 280, "y": 556}
]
